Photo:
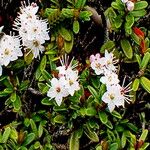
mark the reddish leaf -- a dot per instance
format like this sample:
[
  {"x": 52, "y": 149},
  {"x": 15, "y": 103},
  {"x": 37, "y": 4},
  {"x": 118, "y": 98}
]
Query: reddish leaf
[{"x": 138, "y": 32}]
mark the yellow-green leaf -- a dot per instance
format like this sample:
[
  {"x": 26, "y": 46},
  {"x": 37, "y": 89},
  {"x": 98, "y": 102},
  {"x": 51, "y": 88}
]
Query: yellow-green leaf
[
  {"x": 145, "y": 83},
  {"x": 135, "y": 84},
  {"x": 127, "y": 49}
]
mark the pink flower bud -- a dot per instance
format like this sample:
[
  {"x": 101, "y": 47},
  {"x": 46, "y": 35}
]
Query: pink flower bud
[
  {"x": 130, "y": 5},
  {"x": 124, "y": 1}
]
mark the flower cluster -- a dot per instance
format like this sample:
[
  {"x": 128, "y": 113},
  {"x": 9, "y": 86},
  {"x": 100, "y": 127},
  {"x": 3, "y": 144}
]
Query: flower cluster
[
  {"x": 66, "y": 83},
  {"x": 10, "y": 50},
  {"x": 129, "y": 4},
  {"x": 32, "y": 30},
  {"x": 115, "y": 94}
]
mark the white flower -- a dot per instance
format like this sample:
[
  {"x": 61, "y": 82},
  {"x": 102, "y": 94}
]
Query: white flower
[
  {"x": 28, "y": 12},
  {"x": 110, "y": 61},
  {"x": 66, "y": 66},
  {"x": 125, "y": 91},
  {"x": 10, "y": 49},
  {"x": 98, "y": 66},
  {"x": 124, "y": 1},
  {"x": 130, "y": 5},
  {"x": 32, "y": 30},
  {"x": 113, "y": 97},
  {"x": 72, "y": 84},
  {"x": 95, "y": 58},
  {"x": 57, "y": 90},
  {"x": 0, "y": 70},
  {"x": 109, "y": 78},
  {"x": 35, "y": 47}
]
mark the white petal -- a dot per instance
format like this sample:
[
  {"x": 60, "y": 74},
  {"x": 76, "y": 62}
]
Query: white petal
[
  {"x": 111, "y": 106},
  {"x": 0, "y": 70}
]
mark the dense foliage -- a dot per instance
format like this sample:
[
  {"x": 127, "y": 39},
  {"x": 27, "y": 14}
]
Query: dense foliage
[{"x": 74, "y": 74}]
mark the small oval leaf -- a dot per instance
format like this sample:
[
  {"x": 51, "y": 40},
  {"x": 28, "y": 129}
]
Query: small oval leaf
[{"x": 127, "y": 49}]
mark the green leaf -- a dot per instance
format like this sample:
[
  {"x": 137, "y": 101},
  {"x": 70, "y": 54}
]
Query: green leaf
[
  {"x": 24, "y": 85},
  {"x": 135, "y": 84},
  {"x": 103, "y": 117},
  {"x": 14, "y": 134},
  {"x": 59, "y": 119},
  {"x": 138, "y": 58},
  {"x": 132, "y": 127},
  {"x": 138, "y": 13},
  {"x": 127, "y": 49},
  {"x": 109, "y": 125},
  {"x": 76, "y": 26},
  {"x": 144, "y": 135},
  {"x": 1, "y": 147},
  {"x": 135, "y": 38},
  {"x": 145, "y": 146},
  {"x": 65, "y": 34},
  {"x": 114, "y": 146},
  {"x": 91, "y": 134},
  {"x": 93, "y": 91},
  {"x": 42, "y": 87},
  {"x": 85, "y": 15},
  {"x": 38, "y": 73},
  {"x": 109, "y": 45},
  {"x": 37, "y": 145},
  {"x": 91, "y": 111},
  {"x": 123, "y": 140},
  {"x": 145, "y": 61},
  {"x": 33, "y": 126},
  {"x": 117, "y": 6},
  {"x": 43, "y": 63},
  {"x": 118, "y": 21},
  {"x": 129, "y": 20},
  {"x": 145, "y": 83},
  {"x": 140, "y": 5},
  {"x": 29, "y": 138},
  {"x": 47, "y": 101},
  {"x": 6, "y": 134},
  {"x": 74, "y": 141},
  {"x": 80, "y": 4},
  {"x": 116, "y": 114},
  {"x": 17, "y": 103},
  {"x": 47, "y": 76},
  {"x": 69, "y": 45},
  {"x": 40, "y": 130},
  {"x": 13, "y": 96},
  {"x": 67, "y": 13}
]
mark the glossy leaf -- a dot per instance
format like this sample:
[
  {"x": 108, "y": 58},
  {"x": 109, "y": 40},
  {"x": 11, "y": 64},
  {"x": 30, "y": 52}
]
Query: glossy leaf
[
  {"x": 145, "y": 60},
  {"x": 65, "y": 34},
  {"x": 145, "y": 82},
  {"x": 140, "y": 5},
  {"x": 29, "y": 138},
  {"x": 109, "y": 45},
  {"x": 76, "y": 26},
  {"x": 135, "y": 84},
  {"x": 127, "y": 49},
  {"x": 6, "y": 134},
  {"x": 74, "y": 141},
  {"x": 103, "y": 117}
]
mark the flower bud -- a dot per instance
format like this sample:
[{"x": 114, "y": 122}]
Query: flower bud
[
  {"x": 130, "y": 5},
  {"x": 124, "y": 1}
]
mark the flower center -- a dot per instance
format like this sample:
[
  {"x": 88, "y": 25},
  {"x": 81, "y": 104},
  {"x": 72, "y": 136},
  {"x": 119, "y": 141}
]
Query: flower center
[
  {"x": 112, "y": 96},
  {"x": 70, "y": 82},
  {"x": 36, "y": 43},
  {"x": 58, "y": 89},
  {"x": 98, "y": 66},
  {"x": 7, "y": 51}
]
